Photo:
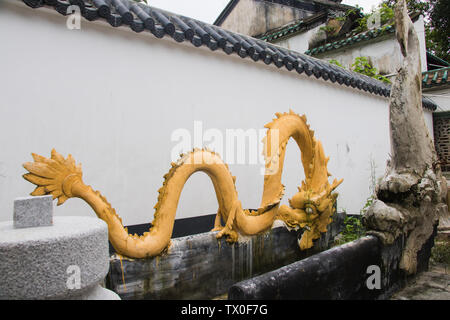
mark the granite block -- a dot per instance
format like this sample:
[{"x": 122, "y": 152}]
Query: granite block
[{"x": 32, "y": 212}]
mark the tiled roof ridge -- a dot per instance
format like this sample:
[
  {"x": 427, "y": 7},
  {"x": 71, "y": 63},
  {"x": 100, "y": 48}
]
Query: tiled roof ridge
[
  {"x": 291, "y": 27},
  {"x": 441, "y": 61},
  {"x": 140, "y": 17},
  {"x": 360, "y": 37},
  {"x": 436, "y": 77},
  {"x": 225, "y": 12}
]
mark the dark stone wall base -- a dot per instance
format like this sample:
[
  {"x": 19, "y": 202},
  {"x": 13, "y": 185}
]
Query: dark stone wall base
[
  {"x": 339, "y": 273},
  {"x": 203, "y": 267}
]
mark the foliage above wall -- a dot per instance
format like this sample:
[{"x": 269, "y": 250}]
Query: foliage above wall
[
  {"x": 385, "y": 14},
  {"x": 362, "y": 65}
]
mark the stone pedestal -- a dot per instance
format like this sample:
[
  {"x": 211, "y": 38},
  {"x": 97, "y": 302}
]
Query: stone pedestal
[{"x": 65, "y": 260}]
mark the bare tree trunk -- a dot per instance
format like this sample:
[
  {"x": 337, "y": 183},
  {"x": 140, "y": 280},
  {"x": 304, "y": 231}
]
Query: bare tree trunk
[{"x": 410, "y": 197}]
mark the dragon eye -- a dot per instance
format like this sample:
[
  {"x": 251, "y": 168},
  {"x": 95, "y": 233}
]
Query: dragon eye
[{"x": 310, "y": 209}]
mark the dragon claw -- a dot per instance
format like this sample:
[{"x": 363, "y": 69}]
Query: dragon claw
[
  {"x": 217, "y": 229},
  {"x": 231, "y": 235}
]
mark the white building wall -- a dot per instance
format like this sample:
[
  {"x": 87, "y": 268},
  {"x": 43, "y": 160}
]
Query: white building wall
[
  {"x": 252, "y": 17},
  {"x": 112, "y": 98},
  {"x": 419, "y": 25},
  {"x": 299, "y": 42},
  {"x": 440, "y": 96},
  {"x": 384, "y": 53}
]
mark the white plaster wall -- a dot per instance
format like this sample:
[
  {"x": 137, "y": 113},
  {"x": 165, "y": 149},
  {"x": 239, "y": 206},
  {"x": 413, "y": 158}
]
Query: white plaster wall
[
  {"x": 420, "y": 30},
  {"x": 428, "y": 117},
  {"x": 384, "y": 55},
  {"x": 440, "y": 96},
  {"x": 112, "y": 98},
  {"x": 299, "y": 42}
]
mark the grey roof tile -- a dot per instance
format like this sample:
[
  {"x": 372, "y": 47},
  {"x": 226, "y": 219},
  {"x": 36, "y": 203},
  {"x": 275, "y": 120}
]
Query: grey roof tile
[{"x": 140, "y": 17}]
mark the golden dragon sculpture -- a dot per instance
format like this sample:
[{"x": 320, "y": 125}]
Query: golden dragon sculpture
[{"x": 311, "y": 208}]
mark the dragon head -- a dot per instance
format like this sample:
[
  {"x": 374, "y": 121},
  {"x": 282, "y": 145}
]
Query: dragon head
[{"x": 312, "y": 207}]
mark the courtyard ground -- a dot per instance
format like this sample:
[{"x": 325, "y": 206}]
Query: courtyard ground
[{"x": 433, "y": 284}]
